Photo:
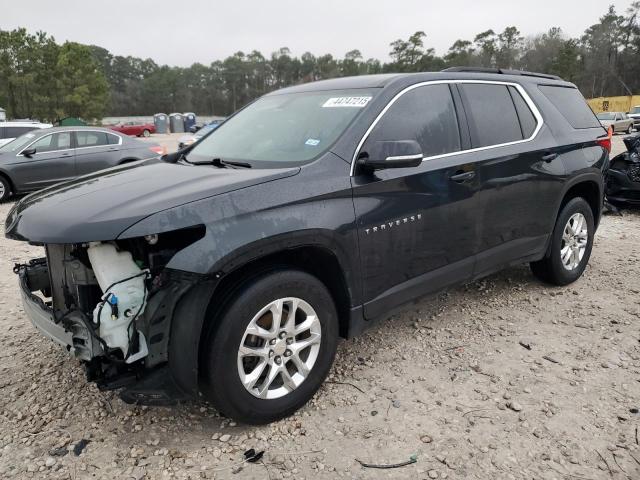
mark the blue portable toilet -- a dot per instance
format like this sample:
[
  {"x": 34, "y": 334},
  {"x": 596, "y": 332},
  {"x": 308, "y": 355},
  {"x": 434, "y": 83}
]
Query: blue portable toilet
[{"x": 189, "y": 121}]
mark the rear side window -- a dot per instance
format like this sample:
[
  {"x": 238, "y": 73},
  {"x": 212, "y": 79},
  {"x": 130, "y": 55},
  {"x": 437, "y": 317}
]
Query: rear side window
[
  {"x": 113, "y": 139},
  {"x": 571, "y": 104},
  {"x": 426, "y": 114},
  {"x": 528, "y": 122},
  {"x": 91, "y": 139},
  {"x": 492, "y": 114}
]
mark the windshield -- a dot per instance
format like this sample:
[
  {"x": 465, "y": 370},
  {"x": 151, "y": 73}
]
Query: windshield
[
  {"x": 18, "y": 143},
  {"x": 606, "y": 116},
  {"x": 283, "y": 130},
  {"x": 635, "y": 110}
]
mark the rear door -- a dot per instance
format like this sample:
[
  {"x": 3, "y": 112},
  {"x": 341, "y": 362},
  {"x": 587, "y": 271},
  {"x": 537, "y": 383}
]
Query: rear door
[
  {"x": 417, "y": 227},
  {"x": 52, "y": 162},
  {"x": 519, "y": 172},
  {"x": 96, "y": 150}
]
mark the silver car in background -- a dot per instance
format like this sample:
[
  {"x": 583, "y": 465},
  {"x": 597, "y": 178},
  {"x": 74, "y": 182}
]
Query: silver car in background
[
  {"x": 41, "y": 158},
  {"x": 619, "y": 121}
]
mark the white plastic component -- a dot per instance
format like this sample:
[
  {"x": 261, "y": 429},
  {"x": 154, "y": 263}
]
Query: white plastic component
[{"x": 118, "y": 275}]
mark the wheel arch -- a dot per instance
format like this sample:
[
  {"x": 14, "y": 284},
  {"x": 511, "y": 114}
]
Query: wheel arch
[{"x": 196, "y": 315}]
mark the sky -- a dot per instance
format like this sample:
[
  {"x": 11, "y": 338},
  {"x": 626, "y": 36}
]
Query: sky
[{"x": 184, "y": 32}]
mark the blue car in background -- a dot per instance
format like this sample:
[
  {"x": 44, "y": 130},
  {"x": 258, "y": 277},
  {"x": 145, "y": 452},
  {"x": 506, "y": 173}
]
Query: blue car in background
[{"x": 187, "y": 140}]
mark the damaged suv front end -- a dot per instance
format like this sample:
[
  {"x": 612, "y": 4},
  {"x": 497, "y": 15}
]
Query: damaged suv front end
[
  {"x": 123, "y": 261},
  {"x": 110, "y": 304},
  {"x": 623, "y": 176}
]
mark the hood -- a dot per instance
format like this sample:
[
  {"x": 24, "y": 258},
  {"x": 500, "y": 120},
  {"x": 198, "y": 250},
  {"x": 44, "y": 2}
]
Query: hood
[
  {"x": 102, "y": 205},
  {"x": 607, "y": 123}
]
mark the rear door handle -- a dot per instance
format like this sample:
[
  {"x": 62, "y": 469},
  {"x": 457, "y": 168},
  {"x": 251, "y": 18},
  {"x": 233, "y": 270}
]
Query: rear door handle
[
  {"x": 461, "y": 176},
  {"x": 549, "y": 157}
]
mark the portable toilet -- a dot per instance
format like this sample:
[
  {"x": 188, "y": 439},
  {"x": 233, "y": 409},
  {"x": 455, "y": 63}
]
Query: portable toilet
[
  {"x": 176, "y": 121},
  {"x": 161, "y": 122},
  {"x": 189, "y": 121}
]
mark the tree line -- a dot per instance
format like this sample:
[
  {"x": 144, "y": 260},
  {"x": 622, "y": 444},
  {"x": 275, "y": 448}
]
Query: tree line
[{"x": 45, "y": 80}]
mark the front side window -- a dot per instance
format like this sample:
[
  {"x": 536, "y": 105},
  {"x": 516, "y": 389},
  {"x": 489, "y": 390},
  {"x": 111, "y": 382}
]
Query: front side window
[
  {"x": 425, "y": 114},
  {"x": 52, "y": 143},
  {"x": 492, "y": 115},
  {"x": 91, "y": 139},
  {"x": 283, "y": 130}
]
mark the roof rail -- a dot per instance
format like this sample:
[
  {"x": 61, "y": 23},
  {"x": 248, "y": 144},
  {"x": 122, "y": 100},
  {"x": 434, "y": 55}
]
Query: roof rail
[{"x": 502, "y": 71}]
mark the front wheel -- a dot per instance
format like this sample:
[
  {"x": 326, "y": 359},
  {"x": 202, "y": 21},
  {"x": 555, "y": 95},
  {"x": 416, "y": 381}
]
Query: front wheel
[
  {"x": 630, "y": 129},
  {"x": 571, "y": 244},
  {"x": 5, "y": 189},
  {"x": 146, "y": 133},
  {"x": 272, "y": 347}
]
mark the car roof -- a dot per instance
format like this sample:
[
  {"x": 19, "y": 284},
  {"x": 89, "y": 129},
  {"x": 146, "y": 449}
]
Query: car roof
[
  {"x": 70, "y": 128},
  {"x": 25, "y": 124},
  {"x": 406, "y": 79}
]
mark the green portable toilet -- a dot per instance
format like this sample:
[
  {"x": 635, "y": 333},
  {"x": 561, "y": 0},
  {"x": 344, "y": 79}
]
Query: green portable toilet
[{"x": 71, "y": 122}]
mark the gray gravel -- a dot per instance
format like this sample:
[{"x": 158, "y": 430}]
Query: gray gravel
[{"x": 448, "y": 380}]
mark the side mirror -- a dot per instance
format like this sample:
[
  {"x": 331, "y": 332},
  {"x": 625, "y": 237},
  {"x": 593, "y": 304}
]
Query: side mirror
[
  {"x": 29, "y": 152},
  {"x": 391, "y": 154}
]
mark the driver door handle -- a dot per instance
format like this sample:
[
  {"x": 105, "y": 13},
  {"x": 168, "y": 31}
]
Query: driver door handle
[{"x": 461, "y": 176}]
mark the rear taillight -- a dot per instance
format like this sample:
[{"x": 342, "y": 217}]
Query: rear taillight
[
  {"x": 605, "y": 142},
  {"x": 159, "y": 150}
]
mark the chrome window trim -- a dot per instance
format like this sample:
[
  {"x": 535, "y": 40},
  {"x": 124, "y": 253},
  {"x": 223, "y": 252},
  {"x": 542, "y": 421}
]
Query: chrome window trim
[
  {"x": 77, "y": 148},
  {"x": 518, "y": 87}
]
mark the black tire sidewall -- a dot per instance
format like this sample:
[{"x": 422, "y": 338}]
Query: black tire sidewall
[
  {"x": 562, "y": 276},
  {"x": 222, "y": 382}
]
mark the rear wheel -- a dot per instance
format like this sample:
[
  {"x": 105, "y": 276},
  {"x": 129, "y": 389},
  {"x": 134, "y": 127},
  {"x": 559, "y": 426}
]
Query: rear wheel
[
  {"x": 272, "y": 347},
  {"x": 571, "y": 244},
  {"x": 5, "y": 189}
]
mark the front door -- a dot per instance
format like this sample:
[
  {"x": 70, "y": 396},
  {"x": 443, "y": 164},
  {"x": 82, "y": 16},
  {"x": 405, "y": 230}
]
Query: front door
[
  {"x": 417, "y": 227},
  {"x": 52, "y": 162}
]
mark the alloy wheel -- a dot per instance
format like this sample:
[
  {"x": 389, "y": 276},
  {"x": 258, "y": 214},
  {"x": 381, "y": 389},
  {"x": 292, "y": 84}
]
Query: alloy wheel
[
  {"x": 574, "y": 241},
  {"x": 279, "y": 348}
]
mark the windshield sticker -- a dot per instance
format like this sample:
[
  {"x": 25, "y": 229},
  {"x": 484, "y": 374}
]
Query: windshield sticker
[
  {"x": 312, "y": 141},
  {"x": 357, "y": 102}
]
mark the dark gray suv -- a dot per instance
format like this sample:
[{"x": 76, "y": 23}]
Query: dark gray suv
[
  {"x": 41, "y": 158},
  {"x": 229, "y": 270}
]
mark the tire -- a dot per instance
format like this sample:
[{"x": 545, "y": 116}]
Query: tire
[
  {"x": 552, "y": 269},
  {"x": 263, "y": 401},
  {"x": 630, "y": 130},
  {"x": 5, "y": 189},
  {"x": 146, "y": 133}
]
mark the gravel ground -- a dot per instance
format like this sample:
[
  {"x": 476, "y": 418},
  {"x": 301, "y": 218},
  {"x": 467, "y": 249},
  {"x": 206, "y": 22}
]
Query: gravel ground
[{"x": 505, "y": 378}]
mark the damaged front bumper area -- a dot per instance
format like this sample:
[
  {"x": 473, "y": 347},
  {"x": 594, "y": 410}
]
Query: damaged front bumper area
[{"x": 111, "y": 305}]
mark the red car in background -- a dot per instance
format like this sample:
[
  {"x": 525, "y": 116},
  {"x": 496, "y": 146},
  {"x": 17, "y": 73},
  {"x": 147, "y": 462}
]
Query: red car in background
[{"x": 137, "y": 129}]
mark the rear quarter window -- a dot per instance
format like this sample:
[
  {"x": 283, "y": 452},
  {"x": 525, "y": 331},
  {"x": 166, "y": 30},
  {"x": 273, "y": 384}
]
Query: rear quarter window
[{"x": 571, "y": 104}]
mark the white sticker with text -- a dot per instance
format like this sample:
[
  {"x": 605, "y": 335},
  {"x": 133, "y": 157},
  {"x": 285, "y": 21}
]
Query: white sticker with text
[{"x": 357, "y": 102}]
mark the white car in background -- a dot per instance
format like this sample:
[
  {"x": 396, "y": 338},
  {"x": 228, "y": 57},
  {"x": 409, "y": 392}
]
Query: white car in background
[{"x": 11, "y": 130}]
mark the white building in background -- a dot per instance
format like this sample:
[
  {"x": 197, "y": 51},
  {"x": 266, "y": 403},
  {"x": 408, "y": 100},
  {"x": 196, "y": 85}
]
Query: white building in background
[{"x": 3, "y": 115}]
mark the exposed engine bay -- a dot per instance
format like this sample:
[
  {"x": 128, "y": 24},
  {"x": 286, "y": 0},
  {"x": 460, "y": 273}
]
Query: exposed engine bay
[{"x": 110, "y": 303}]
